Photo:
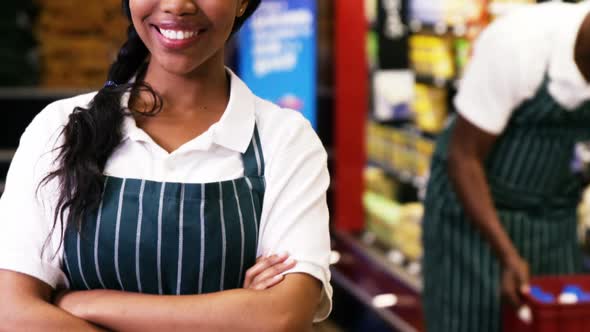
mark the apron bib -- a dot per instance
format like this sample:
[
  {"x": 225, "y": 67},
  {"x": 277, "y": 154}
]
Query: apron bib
[{"x": 170, "y": 238}]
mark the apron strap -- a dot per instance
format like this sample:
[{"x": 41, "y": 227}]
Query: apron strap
[{"x": 253, "y": 158}]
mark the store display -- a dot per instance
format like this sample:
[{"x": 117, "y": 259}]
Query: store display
[
  {"x": 277, "y": 57},
  {"x": 392, "y": 32},
  {"x": 78, "y": 41},
  {"x": 395, "y": 225},
  {"x": 393, "y": 95},
  {"x": 430, "y": 108},
  {"x": 401, "y": 151},
  {"x": 432, "y": 56},
  {"x": 462, "y": 48},
  {"x": 447, "y": 12}
]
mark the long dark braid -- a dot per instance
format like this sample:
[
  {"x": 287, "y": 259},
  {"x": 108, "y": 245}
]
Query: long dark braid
[{"x": 92, "y": 134}]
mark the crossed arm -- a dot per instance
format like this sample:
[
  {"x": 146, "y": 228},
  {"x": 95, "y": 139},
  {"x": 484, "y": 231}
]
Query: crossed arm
[{"x": 287, "y": 306}]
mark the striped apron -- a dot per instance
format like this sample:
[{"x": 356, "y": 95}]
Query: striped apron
[
  {"x": 535, "y": 194},
  {"x": 170, "y": 238}
]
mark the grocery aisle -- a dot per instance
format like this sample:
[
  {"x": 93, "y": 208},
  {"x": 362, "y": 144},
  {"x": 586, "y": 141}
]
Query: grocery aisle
[{"x": 417, "y": 51}]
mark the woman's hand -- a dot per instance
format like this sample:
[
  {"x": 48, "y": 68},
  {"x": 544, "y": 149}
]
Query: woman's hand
[
  {"x": 267, "y": 271},
  {"x": 515, "y": 279}
]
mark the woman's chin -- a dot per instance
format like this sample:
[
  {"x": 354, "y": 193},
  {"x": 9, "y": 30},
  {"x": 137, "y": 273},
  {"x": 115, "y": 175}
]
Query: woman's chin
[{"x": 178, "y": 66}]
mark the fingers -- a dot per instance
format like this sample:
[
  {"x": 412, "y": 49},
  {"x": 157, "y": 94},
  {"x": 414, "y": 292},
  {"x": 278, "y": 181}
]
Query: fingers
[
  {"x": 524, "y": 279},
  {"x": 515, "y": 283},
  {"x": 268, "y": 283},
  {"x": 272, "y": 275},
  {"x": 509, "y": 290},
  {"x": 515, "y": 280},
  {"x": 262, "y": 264}
]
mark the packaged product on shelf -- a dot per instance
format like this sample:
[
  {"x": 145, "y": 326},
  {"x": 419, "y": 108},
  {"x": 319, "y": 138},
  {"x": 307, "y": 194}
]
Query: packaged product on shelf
[
  {"x": 430, "y": 108},
  {"x": 432, "y": 56},
  {"x": 427, "y": 11},
  {"x": 425, "y": 150},
  {"x": 408, "y": 235},
  {"x": 382, "y": 216},
  {"x": 372, "y": 49},
  {"x": 398, "y": 157},
  {"x": 462, "y": 54},
  {"x": 398, "y": 226},
  {"x": 393, "y": 93},
  {"x": 464, "y": 12},
  {"x": 378, "y": 182},
  {"x": 392, "y": 33},
  {"x": 383, "y": 145},
  {"x": 412, "y": 137}
]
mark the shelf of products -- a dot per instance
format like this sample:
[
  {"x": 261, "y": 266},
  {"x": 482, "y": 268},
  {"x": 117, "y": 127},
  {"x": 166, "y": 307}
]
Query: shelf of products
[
  {"x": 411, "y": 101},
  {"x": 382, "y": 286},
  {"x": 402, "y": 152}
]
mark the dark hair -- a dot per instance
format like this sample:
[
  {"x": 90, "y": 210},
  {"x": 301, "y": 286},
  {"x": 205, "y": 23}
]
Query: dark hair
[{"x": 92, "y": 134}]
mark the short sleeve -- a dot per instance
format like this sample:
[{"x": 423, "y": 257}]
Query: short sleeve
[
  {"x": 506, "y": 68},
  {"x": 295, "y": 216},
  {"x": 25, "y": 225}
]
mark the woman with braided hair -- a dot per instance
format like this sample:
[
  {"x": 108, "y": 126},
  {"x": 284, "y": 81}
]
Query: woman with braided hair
[{"x": 171, "y": 199}]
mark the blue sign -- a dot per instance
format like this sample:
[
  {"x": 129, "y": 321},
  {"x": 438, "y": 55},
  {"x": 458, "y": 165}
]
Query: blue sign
[{"x": 278, "y": 54}]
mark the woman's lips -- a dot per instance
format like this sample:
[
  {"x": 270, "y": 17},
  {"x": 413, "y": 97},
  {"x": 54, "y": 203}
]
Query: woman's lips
[{"x": 175, "y": 36}]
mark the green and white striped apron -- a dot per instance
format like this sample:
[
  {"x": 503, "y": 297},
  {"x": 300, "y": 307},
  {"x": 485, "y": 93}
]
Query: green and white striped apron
[
  {"x": 535, "y": 194},
  {"x": 170, "y": 238}
]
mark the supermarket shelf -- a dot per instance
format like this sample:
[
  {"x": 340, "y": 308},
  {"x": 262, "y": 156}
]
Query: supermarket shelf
[
  {"x": 368, "y": 275},
  {"x": 441, "y": 29},
  {"x": 438, "y": 81},
  {"x": 417, "y": 182},
  {"x": 383, "y": 256}
]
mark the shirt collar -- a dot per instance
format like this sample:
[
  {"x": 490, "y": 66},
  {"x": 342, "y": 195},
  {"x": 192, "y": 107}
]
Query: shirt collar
[
  {"x": 234, "y": 129},
  {"x": 236, "y": 126},
  {"x": 563, "y": 70}
]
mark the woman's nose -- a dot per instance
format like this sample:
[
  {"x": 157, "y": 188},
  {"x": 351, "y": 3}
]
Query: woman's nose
[{"x": 179, "y": 7}]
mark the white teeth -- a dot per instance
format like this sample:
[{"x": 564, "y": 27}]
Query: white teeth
[{"x": 177, "y": 35}]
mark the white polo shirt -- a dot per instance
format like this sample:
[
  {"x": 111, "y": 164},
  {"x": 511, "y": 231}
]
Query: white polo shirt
[
  {"x": 294, "y": 216},
  {"x": 511, "y": 58}
]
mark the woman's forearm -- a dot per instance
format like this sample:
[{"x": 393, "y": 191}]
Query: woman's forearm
[
  {"x": 469, "y": 181},
  {"x": 41, "y": 316},
  {"x": 25, "y": 306},
  {"x": 235, "y": 310}
]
